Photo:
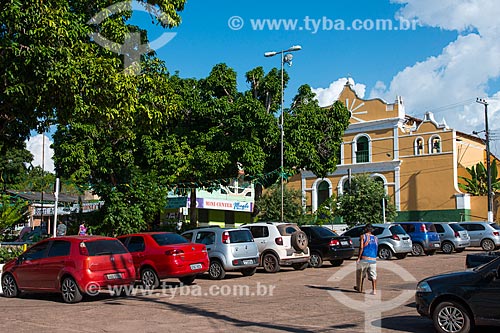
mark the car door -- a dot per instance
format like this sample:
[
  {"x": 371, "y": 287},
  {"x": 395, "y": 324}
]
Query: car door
[
  {"x": 137, "y": 247},
  {"x": 484, "y": 299},
  {"x": 55, "y": 262},
  {"x": 27, "y": 268},
  {"x": 475, "y": 231},
  {"x": 260, "y": 235}
]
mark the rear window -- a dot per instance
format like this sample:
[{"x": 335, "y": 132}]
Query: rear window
[
  {"x": 430, "y": 227},
  {"x": 240, "y": 236},
  {"x": 325, "y": 232},
  {"x": 495, "y": 226},
  {"x": 287, "y": 229},
  {"x": 456, "y": 227},
  {"x": 169, "y": 239},
  {"x": 105, "y": 247},
  {"x": 397, "y": 230}
]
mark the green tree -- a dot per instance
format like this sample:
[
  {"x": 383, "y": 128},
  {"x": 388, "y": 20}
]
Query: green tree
[
  {"x": 326, "y": 211},
  {"x": 269, "y": 205},
  {"x": 12, "y": 211},
  {"x": 13, "y": 168},
  {"x": 477, "y": 184},
  {"x": 362, "y": 202}
]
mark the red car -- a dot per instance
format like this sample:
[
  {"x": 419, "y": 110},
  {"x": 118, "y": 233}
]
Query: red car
[
  {"x": 161, "y": 255},
  {"x": 70, "y": 265}
]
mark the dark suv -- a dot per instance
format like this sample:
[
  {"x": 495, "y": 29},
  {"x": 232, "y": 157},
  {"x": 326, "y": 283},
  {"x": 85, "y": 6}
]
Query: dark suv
[
  {"x": 325, "y": 244},
  {"x": 425, "y": 239},
  {"x": 456, "y": 302}
]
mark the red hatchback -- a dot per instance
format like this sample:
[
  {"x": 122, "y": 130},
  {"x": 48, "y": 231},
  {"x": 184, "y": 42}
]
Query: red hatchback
[
  {"x": 161, "y": 255},
  {"x": 70, "y": 265}
]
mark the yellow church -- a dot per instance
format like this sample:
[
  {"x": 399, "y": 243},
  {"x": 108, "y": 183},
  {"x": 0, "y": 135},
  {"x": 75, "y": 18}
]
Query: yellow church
[{"x": 419, "y": 162}]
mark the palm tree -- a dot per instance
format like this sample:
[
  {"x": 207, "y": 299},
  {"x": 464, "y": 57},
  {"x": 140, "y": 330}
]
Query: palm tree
[{"x": 477, "y": 184}]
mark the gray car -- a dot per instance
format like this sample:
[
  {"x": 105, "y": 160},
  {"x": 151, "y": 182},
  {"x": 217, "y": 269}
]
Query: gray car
[
  {"x": 392, "y": 240},
  {"x": 453, "y": 237},
  {"x": 228, "y": 250},
  {"x": 484, "y": 234}
]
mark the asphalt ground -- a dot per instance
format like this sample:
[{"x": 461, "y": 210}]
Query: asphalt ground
[{"x": 312, "y": 300}]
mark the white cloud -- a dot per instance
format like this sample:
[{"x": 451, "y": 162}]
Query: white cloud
[
  {"x": 34, "y": 145},
  {"x": 327, "y": 96}
]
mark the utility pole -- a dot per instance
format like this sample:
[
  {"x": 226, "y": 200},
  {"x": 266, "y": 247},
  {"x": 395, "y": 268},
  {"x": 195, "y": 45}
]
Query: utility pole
[{"x": 488, "y": 168}]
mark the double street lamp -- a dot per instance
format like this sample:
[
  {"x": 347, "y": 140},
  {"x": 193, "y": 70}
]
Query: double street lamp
[{"x": 286, "y": 57}]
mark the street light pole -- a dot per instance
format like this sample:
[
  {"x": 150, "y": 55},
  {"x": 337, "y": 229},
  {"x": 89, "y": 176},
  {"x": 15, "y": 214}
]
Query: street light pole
[
  {"x": 285, "y": 58},
  {"x": 488, "y": 167}
]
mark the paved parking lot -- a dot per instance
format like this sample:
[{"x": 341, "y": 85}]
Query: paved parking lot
[{"x": 313, "y": 300}]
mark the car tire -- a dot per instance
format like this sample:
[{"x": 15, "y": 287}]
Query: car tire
[
  {"x": 9, "y": 286},
  {"x": 149, "y": 279},
  {"x": 488, "y": 245},
  {"x": 216, "y": 271},
  {"x": 315, "y": 260},
  {"x": 451, "y": 316},
  {"x": 187, "y": 280},
  {"x": 249, "y": 271},
  {"x": 70, "y": 291},
  {"x": 417, "y": 249},
  {"x": 384, "y": 253},
  {"x": 300, "y": 266},
  {"x": 270, "y": 263},
  {"x": 447, "y": 247},
  {"x": 299, "y": 241},
  {"x": 336, "y": 263},
  {"x": 401, "y": 255}
]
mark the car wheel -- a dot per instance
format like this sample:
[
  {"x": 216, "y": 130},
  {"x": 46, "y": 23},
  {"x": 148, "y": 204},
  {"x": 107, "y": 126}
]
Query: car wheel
[
  {"x": 187, "y": 280},
  {"x": 447, "y": 247},
  {"x": 488, "y": 245},
  {"x": 299, "y": 240},
  {"x": 417, "y": 249},
  {"x": 300, "y": 266},
  {"x": 149, "y": 278},
  {"x": 249, "y": 271},
  {"x": 9, "y": 286},
  {"x": 270, "y": 263},
  {"x": 401, "y": 255},
  {"x": 451, "y": 317},
  {"x": 336, "y": 263},
  {"x": 70, "y": 291},
  {"x": 315, "y": 260},
  {"x": 216, "y": 271},
  {"x": 384, "y": 253}
]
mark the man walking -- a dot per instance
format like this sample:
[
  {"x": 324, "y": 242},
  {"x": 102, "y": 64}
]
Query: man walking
[
  {"x": 61, "y": 229},
  {"x": 367, "y": 260}
]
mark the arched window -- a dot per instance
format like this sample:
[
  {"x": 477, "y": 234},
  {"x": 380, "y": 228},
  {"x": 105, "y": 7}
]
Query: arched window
[
  {"x": 362, "y": 150},
  {"x": 435, "y": 145},
  {"x": 419, "y": 146},
  {"x": 323, "y": 192}
]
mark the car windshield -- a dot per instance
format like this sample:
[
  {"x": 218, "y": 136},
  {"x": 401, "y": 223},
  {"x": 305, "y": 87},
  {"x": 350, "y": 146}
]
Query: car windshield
[
  {"x": 105, "y": 247},
  {"x": 495, "y": 226},
  {"x": 397, "y": 230},
  {"x": 240, "y": 236},
  {"x": 325, "y": 232},
  {"x": 489, "y": 266},
  {"x": 456, "y": 227},
  {"x": 169, "y": 239}
]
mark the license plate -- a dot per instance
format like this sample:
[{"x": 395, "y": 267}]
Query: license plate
[
  {"x": 436, "y": 245},
  {"x": 344, "y": 243},
  {"x": 114, "y": 276},
  {"x": 195, "y": 266},
  {"x": 247, "y": 262}
]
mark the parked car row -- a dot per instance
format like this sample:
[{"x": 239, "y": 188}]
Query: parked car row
[{"x": 73, "y": 264}]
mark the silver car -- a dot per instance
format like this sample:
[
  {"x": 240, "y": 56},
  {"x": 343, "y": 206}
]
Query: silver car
[
  {"x": 453, "y": 237},
  {"x": 392, "y": 240},
  {"x": 228, "y": 250},
  {"x": 484, "y": 234}
]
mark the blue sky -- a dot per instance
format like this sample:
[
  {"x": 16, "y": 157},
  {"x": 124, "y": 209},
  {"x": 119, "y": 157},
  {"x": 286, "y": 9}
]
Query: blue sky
[{"x": 449, "y": 59}]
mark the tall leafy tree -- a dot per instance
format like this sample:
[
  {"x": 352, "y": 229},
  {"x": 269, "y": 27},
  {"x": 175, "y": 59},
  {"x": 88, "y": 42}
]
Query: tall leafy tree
[
  {"x": 362, "y": 202},
  {"x": 269, "y": 205},
  {"x": 477, "y": 184}
]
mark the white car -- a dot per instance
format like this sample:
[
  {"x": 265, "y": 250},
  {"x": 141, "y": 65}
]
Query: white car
[{"x": 280, "y": 244}]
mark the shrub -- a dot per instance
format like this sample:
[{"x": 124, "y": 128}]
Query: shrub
[{"x": 9, "y": 252}]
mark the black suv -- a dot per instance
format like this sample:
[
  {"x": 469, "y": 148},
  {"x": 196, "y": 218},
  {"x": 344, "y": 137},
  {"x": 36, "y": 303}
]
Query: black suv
[
  {"x": 456, "y": 302},
  {"x": 325, "y": 244}
]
